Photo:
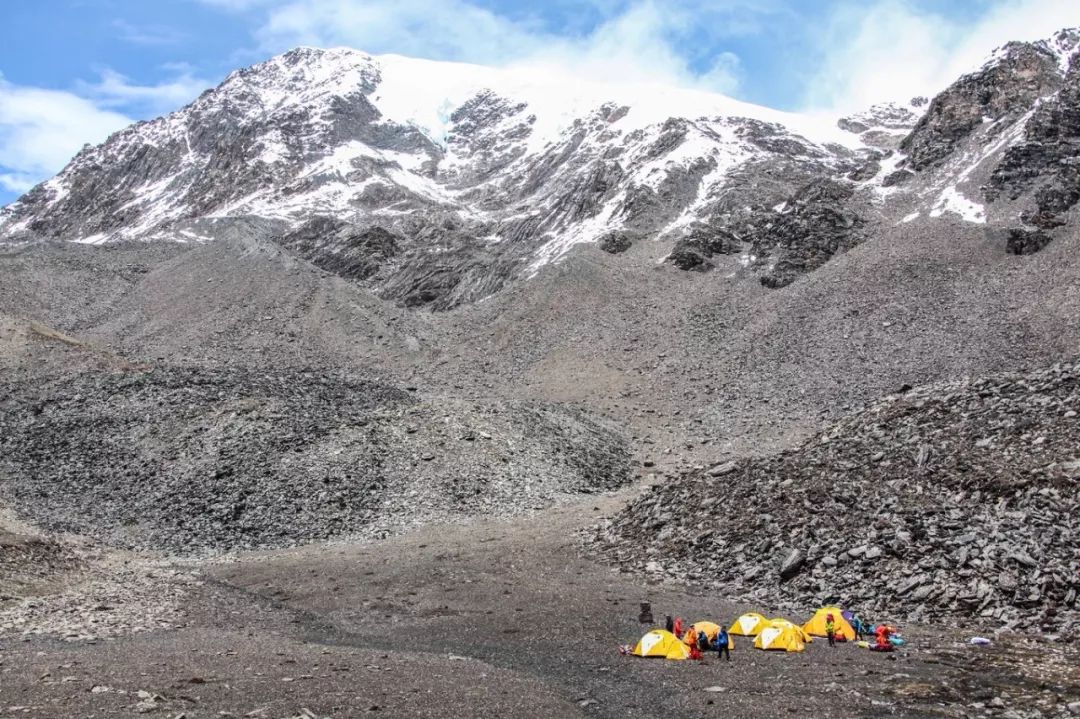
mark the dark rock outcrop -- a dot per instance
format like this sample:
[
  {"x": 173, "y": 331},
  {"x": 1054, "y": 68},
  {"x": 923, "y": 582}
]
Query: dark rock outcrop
[
  {"x": 701, "y": 241},
  {"x": 344, "y": 249},
  {"x": 1023, "y": 241},
  {"x": 615, "y": 242},
  {"x": 815, "y": 225},
  {"x": 1045, "y": 167},
  {"x": 1006, "y": 87}
]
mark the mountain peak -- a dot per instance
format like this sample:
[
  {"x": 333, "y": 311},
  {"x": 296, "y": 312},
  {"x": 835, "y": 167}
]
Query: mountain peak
[
  {"x": 301, "y": 75},
  {"x": 469, "y": 176}
]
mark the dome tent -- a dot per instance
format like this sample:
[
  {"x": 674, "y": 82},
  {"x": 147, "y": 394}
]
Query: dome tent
[
  {"x": 748, "y": 625},
  {"x": 842, "y": 627},
  {"x": 780, "y": 637},
  {"x": 663, "y": 644}
]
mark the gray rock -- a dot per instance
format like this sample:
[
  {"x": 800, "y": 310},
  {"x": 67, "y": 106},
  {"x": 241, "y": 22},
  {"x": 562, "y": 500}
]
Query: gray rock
[
  {"x": 720, "y": 470},
  {"x": 792, "y": 564}
]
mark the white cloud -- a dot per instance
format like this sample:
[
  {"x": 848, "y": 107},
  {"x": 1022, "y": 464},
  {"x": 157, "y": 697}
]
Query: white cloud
[
  {"x": 40, "y": 130},
  {"x": 16, "y": 182},
  {"x": 891, "y": 50},
  {"x": 450, "y": 29},
  {"x": 644, "y": 39},
  {"x": 635, "y": 45},
  {"x": 118, "y": 91}
]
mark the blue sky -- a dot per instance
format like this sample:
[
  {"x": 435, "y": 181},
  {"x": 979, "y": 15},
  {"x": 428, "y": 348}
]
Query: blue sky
[{"x": 72, "y": 71}]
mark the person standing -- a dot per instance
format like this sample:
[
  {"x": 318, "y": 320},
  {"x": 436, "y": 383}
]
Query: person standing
[
  {"x": 723, "y": 645},
  {"x": 669, "y": 624},
  {"x": 830, "y": 629},
  {"x": 677, "y": 629},
  {"x": 858, "y": 626}
]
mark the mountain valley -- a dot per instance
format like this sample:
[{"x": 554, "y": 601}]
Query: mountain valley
[{"x": 354, "y": 347}]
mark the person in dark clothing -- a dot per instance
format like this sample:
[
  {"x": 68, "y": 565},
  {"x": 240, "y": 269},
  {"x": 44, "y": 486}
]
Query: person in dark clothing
[
  {"x": 669, "y": 623},
  {"x": 703, "y": 641},
  {"x": 722, "y": 642}
]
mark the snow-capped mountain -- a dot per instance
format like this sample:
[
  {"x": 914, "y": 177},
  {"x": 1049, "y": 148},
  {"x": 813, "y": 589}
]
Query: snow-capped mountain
[{"x": 439, "y": 182}]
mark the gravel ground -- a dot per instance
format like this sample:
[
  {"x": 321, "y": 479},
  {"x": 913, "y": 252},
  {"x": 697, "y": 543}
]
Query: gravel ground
[
  {"x": 496, "y": 618},
  {"x": 190, "y": 459}
]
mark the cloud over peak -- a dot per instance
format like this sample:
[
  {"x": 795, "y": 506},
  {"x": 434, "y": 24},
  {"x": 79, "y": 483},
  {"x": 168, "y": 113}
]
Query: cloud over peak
[{"x": 896, "y": 50}]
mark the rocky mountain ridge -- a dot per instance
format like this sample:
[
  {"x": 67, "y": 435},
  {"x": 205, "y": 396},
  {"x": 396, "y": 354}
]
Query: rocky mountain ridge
[
  {"x": 506, "y": 181},
  {"x": 517, "y": 171}
]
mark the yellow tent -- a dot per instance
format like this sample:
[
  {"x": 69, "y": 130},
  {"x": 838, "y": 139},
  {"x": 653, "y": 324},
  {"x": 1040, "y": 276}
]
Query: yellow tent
[
  {"x": 780, "y": 637},
  {"x": 816, "y": 625},
  {"x": 781, "y": 622},
  {"x": 748, "y": 625},
  {"x": 711, "y": 629},
  {"x": 663, "y": 644}
]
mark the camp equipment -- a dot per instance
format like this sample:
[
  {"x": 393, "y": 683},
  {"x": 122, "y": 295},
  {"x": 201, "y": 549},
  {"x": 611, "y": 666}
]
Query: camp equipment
[
  {"x": 780, "y": 637},
  {"x": 710, "y": 629},
  {"x": 661, "y": 643},
  {"x": 781, "y": 622},
  {"x": 841, "y": 626},
  {"x": 748, "y": 625}
]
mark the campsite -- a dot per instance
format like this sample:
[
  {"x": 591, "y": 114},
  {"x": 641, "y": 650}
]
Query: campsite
[
  {"x": 590, "y": 359},
  {"x": 504, "y": 619}
]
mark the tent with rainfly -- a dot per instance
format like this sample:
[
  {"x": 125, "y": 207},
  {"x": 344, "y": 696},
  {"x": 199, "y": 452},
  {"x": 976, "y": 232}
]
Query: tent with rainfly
[
  {"x": 748, "y": 625},
  {"x": 780, "y": 637},
  {"x": 711, "y": 629},
  {"x": 841, "y": 626},
  {"x": 663, "y": 644},
  {"x": 802, "y": 634}
]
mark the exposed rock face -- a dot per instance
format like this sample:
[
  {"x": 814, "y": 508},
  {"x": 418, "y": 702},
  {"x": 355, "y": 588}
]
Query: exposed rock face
[
  {"x": 886, "y": 125},
  {"x": 328, "y": 144},
  {"x": 615, "y": 242},
  {"x": 782, "y": 242},
  {"x": 341, "y": 248},
  {"x": 700, "y": 243},
  {"x": 815, "y": 225},
  {"x": 193, "y": 459},
  {"x": 953, "y": 500},
  {"x": 1026, "y": 242},
  {"x": 477, "y": 178},
  {"x": 1007, "y": 86},
  {"x": 1014, "y": 125},
  {"x": 1045, "y": 166}
]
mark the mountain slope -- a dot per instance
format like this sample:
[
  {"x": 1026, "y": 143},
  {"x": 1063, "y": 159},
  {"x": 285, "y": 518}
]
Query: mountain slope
[
  {"x": 923, "y": 290},
  {"x": 930, "y": 503},
  {"x": 471, "y": 175},
  {"x": 713, "y": 284},
  {"x": 436, "y": 184}
]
